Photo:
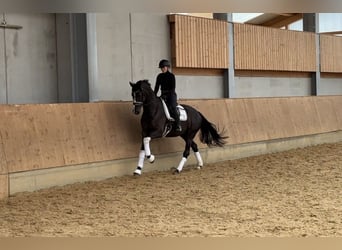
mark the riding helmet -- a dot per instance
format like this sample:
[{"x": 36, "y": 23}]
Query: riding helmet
[{"x": 164, "y": 63}]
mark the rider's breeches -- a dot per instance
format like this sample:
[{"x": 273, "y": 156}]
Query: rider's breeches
[{"x": 171, "y": 102}]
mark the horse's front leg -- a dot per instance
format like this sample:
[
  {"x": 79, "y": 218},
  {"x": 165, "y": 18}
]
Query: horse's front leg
[
  {"x": 145, "y": 151},
  {"x": 140, "y": 166},
  {"x": 149, "y": 156}
]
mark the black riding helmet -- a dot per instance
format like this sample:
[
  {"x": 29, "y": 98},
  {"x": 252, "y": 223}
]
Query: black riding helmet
[{"x": 164, "y": 63}]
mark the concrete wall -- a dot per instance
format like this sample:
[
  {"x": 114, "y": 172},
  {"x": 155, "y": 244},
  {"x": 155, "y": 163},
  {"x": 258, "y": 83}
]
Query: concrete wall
[
  {"x": 204, "y": 87},
  {"x": 30, "y": 56},
  {"x": 113, "y": 57},
  {"x": 272, "y": 86},
  {"x": 207, "y": 87},
  {"x": 331, "y": 86},
  {"x": 129, "y": 48},
  {"x": 150, "y": 43},
  {"x": 36, "y": 62},
  {"x": 44, "y": 61}
]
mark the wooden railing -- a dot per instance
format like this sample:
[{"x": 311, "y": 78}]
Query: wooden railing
[
  {"x": 262, "y": 48},
  {"x": 331, "y": 53},
  {"x": 202, "y": 43},
  {"x": 198, "y": 42}
]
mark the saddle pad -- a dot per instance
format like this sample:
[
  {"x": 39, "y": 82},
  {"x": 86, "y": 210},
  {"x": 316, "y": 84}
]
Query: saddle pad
[{"x": 182, "y": 113}]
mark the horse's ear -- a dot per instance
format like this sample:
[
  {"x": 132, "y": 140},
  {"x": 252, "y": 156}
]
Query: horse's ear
[{"x": 131, "y": 83}]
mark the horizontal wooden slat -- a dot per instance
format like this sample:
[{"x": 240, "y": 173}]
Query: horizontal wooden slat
[
  {"x": 268, "y": 73},
  {"x": 331, "y": 75},
  {"x": 197, "y": 71}
]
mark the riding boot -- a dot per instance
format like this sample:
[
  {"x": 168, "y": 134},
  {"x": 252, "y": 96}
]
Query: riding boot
[
  {"x": 178, "y": 126},
  {"x": 177, "y": 122}
]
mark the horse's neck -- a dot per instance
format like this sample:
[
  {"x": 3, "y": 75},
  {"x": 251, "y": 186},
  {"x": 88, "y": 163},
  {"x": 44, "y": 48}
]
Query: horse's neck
[{"x": 152, "y": 106}]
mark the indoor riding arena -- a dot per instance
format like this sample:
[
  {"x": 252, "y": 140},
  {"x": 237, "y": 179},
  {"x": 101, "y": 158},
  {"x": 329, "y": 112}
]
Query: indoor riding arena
[{"x": 67, "y": 158}]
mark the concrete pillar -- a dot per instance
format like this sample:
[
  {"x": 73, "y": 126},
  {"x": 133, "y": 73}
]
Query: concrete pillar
[
  {"x": 229, "y": 75},
  {"x": 64, "y": 78},
  {"x": 79, "y": 56},
  {"x": 92, "y": 57},
  {"x": 311, "y": 24},
  {"x": 3, "y": 64},
  {"x": 72, "y": 58}
]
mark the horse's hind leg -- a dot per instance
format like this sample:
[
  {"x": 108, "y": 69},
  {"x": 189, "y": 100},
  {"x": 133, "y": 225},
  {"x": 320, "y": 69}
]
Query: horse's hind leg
[
  {"x": 185, "y": 155},
  {"x": 197, "y": 154}
]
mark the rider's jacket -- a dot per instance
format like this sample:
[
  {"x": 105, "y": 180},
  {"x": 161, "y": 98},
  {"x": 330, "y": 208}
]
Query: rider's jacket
[{"x": 167, "y": 83}]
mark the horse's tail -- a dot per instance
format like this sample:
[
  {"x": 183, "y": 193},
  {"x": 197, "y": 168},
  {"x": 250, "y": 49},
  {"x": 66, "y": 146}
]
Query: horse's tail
[{"x": 210, "y": 135}]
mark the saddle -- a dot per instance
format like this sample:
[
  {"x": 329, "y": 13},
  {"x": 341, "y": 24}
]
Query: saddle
[{"x": 182, "y": 113}]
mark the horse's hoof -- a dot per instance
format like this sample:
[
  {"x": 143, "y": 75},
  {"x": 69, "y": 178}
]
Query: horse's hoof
[
  {"x": 137, "y": 172},
  {"x": 175, "y": 171},
  {"x": 151, "y": 159},
  {"x": 199, "y": 167}
]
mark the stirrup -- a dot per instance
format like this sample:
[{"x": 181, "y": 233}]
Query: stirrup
[{"x": 178, "y": 128}]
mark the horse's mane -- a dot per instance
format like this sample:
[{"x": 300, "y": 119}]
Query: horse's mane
[{"x": 144, "y": 84}]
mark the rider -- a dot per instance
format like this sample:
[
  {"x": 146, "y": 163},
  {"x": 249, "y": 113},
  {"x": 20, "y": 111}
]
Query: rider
[{"x": 167, "y": 81}]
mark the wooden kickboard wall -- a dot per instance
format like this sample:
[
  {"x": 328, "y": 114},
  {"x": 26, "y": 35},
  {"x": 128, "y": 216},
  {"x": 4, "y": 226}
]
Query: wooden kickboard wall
[{"x": 53, "y": 135}]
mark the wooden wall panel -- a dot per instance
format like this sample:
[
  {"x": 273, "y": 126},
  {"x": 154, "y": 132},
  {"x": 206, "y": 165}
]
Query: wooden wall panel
[
  {"x": 262, "y": 48},
  {"x": 328, "y": 111},
  {"x": 331, "y": 53},
  {"x": 52, "y": 135},
  {"x": 3, "y": 163},
  {"x": 4, "y": 192},
  {"x": 198, "y": 42}
]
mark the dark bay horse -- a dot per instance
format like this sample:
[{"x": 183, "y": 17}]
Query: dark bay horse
[{"x": 155, "y": 124}]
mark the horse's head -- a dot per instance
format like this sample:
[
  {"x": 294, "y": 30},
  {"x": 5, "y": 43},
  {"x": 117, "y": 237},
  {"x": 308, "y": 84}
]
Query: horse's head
[{"x": 140, "y": 94}]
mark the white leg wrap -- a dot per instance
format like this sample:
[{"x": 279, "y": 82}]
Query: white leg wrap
[
  {"x": 141, "y": 158},
  {"x": 199, "y": 159},
  {"x": 181, "y": 164},
  {"x": 146, "y": 141},
  {"x": 151, "y": 159},
  {"x": 137, "y": 171}
]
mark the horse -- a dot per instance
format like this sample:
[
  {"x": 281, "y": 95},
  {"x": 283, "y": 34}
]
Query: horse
[{"x": 155, "y": 124}]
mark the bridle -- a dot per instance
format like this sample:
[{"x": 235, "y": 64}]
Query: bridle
[
  {"x": 143, "y": 102},
  {"x": 140, "y": 103},
  {"x": 135, "y": 102}
]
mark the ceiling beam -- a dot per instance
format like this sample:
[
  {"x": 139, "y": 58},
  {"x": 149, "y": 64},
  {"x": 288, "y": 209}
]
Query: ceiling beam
[
  {"x": 284, "y": 14},
  {"x": 338, "y": 32},
  {"x": 281, "y": 20}
]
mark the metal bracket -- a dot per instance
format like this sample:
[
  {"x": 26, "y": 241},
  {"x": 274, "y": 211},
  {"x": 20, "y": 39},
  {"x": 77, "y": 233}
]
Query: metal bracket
[{"x": 4, "y": 25}]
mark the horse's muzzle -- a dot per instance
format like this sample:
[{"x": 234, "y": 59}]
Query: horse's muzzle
[
  {"x": 136, "y": 112},
  {"x": 137, "y": 107}
]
